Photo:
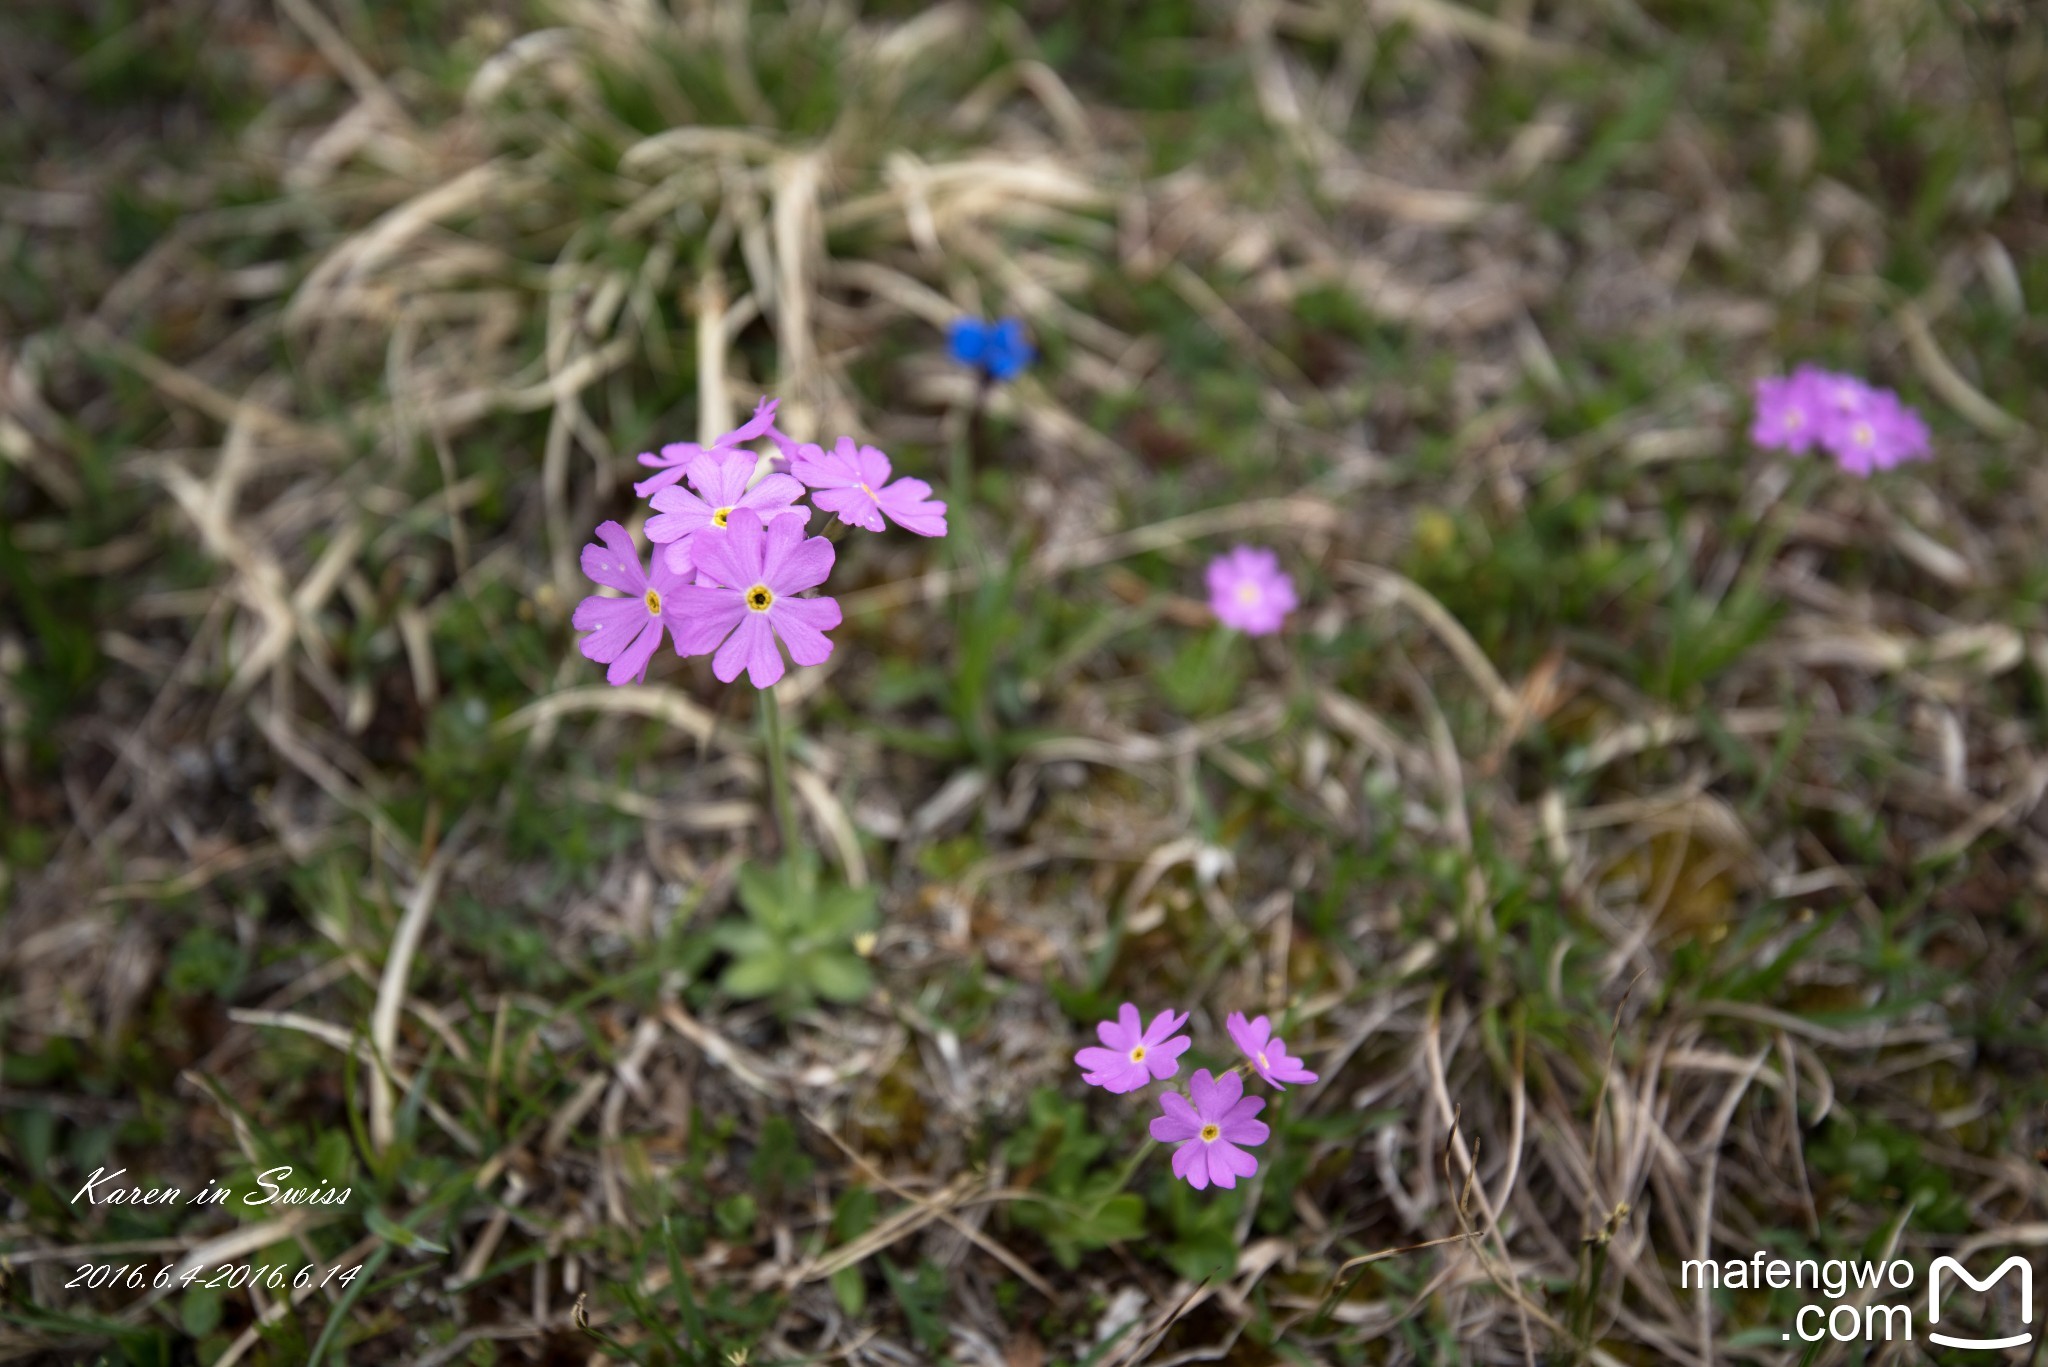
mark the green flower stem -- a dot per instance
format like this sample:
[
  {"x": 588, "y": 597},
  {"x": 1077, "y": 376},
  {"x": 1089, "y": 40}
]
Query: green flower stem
[
  {"x": 1131, "y": 1168},
  {"x": 1123, "y": 1180},
  {"x": 776, "y": 742},
  {"x": 1222, "y": 644},
  {"x": 969, "y": 453}
]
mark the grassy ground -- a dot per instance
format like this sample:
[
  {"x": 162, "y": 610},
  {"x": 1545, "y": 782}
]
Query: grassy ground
[{"x": 1642, "y": 833}]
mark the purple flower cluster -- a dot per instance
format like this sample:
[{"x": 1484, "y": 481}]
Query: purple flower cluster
[
  {"x": 733, "y": 555},
  {"x": 1865, "y": 428},
  {"x": 1215, "y": 1122}
]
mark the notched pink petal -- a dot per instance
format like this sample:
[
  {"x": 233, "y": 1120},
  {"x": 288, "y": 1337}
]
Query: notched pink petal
[
  {"x": 852, "y": 507},
  {"x": 708, "y": 615},
  {"x": 631, "y": 666},
  {"x": 746, "y": 540},
  {"x": 1246, "y": 1131},
  {"x": 802, "y": 624},
  {"x": 613, "y": 560},
  {"x": 1202, "y": 1092},
  {"x": 1229, "y": 1088},
  {"x": 673, "y": 568},
  {"x": 612, "y": 624},
  {"x": 1164, "y": 1024},
  {"x": 678, "y": 514},
  {"x": 1243, "y": 1110},
  {"x": 776, "y": 491},
  {"x": 805, "y": 566},
  {"x": 654, "y": 484},
  {"x": 909, "y": 504},
  {"x": 779, "y": 537},
  {"x": 762, "y": 421},
  {"x": 757, "y": 638},
  {"x": 721, "y": 476},
  {"x": 1126, "y": 1077},
  {"x": 1097, "y": 1060}
]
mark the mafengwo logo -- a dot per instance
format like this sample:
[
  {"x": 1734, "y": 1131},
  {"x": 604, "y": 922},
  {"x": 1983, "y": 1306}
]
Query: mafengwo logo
[
  {"x": 1867, "y": 1301},
  {"x": 1936, "y": 1289}
]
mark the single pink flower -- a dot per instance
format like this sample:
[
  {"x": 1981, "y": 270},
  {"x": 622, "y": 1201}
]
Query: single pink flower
[
  {"x": 674, "y": 460},
  {"x": 720, "y": 479},
  {"x": 625, "y": 632},
  {"x": 745, "y": 598},
  {"x": 1210, "y": 1130},
  {"x": 1133, "y": 1056},
  {"x": 1790, "y": 411},
  {"x": 1876, "y": 434},
  {"x": 1836, "y": 393},
  {"x": 852, "y": 481},
  {"x": 1248, "y": 590},
  {"x": 1267, "y": 1051}
]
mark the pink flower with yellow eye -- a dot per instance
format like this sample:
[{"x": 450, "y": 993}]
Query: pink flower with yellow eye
[
  {"x": 1875, "y": 434},
  {"x": 1213, "y": 1124},
  {"x": 1249, "y": 591},
  {"x": 1267, "y": 1051},
  {"x": 745, "y": 599},
  {"x": 722, "y": 482},
  {"x": 1132, "y": 1056},
  {"x": 853, "y": 481},
  {"x": 1790, "y": 412},
  {"x": 625, "y": 632}
]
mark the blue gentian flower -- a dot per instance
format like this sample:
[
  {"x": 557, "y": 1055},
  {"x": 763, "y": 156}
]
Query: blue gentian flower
[{"x": 999, "y": 349}]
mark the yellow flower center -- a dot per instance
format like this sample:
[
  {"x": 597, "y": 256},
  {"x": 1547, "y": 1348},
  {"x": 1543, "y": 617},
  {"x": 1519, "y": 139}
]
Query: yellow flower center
[
  {"x": 719, "y": 515},
  {"x": 1211, "y": 1133},
  {"x": 1138, "y": 1054},
  {"x": 760, "y": 597},
  {"x": 1863, "y": 434},
  {"x": 1262, "y": 1060},
  {"x": 1247, "y": 593},
  {"x": 869, "y": 492},
  {"x": 653, "y": 601}
]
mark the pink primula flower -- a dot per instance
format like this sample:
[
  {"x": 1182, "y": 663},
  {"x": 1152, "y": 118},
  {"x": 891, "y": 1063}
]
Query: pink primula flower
[
  {"x": 852, "y": 481},
  {"x": 1876, "y": 435},
  {"x": 1211, "y": 1130},
  {"x": 745, "y": 598},
  {"x": 625, "y": 632},
  {"x": 1836, "y": 393},
  {"x": 1249, "y": 591},
  {"x": 1864, "y": 427},
  {"x": 674, "y": 460},
  {"x": 1132, "y": 1056},
  {"x": 720, "y": 479},
  {"x": 1267, "y": 1051},
  {"x": 1790, "y": 412}
]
